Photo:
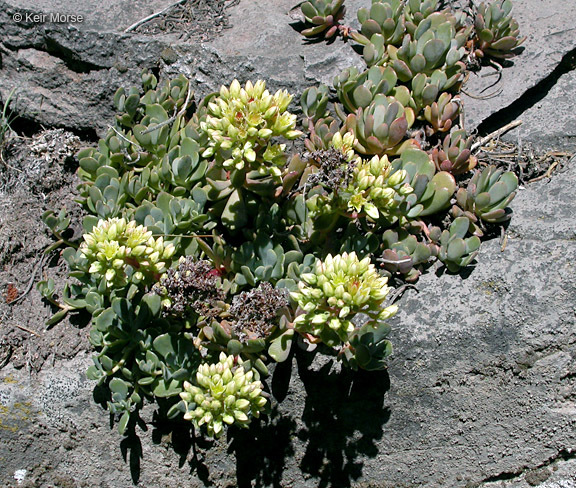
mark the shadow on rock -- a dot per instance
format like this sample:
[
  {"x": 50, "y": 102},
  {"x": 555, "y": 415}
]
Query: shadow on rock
[
  {"x": 262, "y": 449},
  {"x": 343, "y": 417},
  {"x": 179, "y": 435},
  {"x": 131, "y": 448}
]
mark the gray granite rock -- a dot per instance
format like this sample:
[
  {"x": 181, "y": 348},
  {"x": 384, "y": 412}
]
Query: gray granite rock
[
  {"x": 550, "y": 37},
  {"x": 549, "y": 124}
]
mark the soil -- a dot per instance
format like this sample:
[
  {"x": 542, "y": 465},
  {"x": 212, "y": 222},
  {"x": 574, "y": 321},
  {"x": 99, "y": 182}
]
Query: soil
[
  {"x": 198, "y": 19},
  {"x": 37, "y": 174}
]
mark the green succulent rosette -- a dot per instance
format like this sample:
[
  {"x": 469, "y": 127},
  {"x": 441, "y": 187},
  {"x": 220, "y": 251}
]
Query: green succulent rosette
[
  {"x": 117, "y": 249},
  {"x": 241, "y": 124},
  {"x": 225, "y": 393},
  {"x": 340, "y": 287}
]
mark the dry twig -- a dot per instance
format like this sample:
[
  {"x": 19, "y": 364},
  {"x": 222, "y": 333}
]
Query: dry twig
[
  {"x": 38, "y": 266},
  {"x": 496, "y": 134},
  {"x": 25, "y": 329},
  {"x": 135, "y": 25},
  {"x": 398, "y": 292},
  {"x": 175, "y": 116}
]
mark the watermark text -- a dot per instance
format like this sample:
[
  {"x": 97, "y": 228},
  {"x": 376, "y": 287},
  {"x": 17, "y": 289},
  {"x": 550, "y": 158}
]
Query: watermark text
[{"x": 43, "y": 18}]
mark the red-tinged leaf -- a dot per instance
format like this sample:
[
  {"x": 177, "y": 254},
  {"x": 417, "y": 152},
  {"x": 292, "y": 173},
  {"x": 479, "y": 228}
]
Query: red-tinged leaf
[
  {"x": 370, "y": 27},
  {"x": 319, "y": 20},
  {"x": 398, "y": 130},
  {"x": 314, "y": 31},
  {"x": 333, "y": 30}
]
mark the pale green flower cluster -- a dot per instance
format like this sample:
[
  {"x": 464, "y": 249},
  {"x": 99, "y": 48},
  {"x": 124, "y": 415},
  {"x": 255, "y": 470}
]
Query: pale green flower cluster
[
  {"x": 241, "y": 123},
  {"x": 345, "y": 144},
  {"x": 338, "y": 289},
  {"x": 375, "y": 191},
  {"x": 225, "y": 394},
  {"x": 115, "y": 244}
]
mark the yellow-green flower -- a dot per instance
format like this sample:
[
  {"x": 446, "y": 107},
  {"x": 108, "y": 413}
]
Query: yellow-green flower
[
  {"x": 376, "y": 190},
  {"x": 114, "y": 245},
  {"x": 338, "y": 289},
  {"x": 345, "y": 144},
  {"x": 224, "y": 394},
  {"x": 241, "y": 123}
]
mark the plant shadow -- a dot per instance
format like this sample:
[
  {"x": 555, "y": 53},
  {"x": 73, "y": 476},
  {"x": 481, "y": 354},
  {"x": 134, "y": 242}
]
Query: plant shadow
[
  {"x": 344, "y": 417},
  {"x": 180, "y": 436},
  {"x": 262, "y": 449},
  {"x": 341, "y": 423}
]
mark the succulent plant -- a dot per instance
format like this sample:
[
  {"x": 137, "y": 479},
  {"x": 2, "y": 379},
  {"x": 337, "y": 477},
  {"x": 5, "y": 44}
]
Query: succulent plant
[
  {"x": 118, "y": 251},
  {"x": 339, "y": 288},
  {"x": 357, "y": 89},
  {"x": 375, "y": 52},
  {"x": 497, "y": 33},
  {"x": 170, "y": 96},
  {"x": 135, "y": 358},
  {"x": 368, "y": 347},
  {"x": 385, "y": 19},
  {"x": 241, "y": 123},
  {"x": 416, "y": 11},
  {"x": 425, "y": 90},
  {"x": 245, "y": 224},
  {"x": 325, "y": 15},
  {"x": 246, "y": 163},
  {"x": 431, "y": 191},
  {"x": 313, "y": 102},
  {"x": 108, "y": 195},
  {"x": 364, "y": 240},
  {"x": 359, "y": 189},
  {"x": 376, "y": 190},
  {"x": 264, "y": 259},
  {"x": 487, "y": 195},
  {"x": 322, "y": 134},
  {"x": 441, "y": 114},
  {"x": 405, "y": 254},
  {"x": 454, "y": 155},
  {"x": 147, "y": 152},
  {"x": 435, "y": 45},
  {"x": 177, "y": 217},
  {"x": 381, "y": 127},
  {"x": 456, "y": 250},
  {"x": 223, "y": 393}
]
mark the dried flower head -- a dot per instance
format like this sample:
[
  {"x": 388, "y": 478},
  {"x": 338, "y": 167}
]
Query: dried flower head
[
  {"x": 192, "y": 287},
  {"x": 256, "y": 311}
]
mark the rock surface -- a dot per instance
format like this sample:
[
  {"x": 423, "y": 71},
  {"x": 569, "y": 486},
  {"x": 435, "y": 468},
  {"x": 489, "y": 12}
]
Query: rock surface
[
  {"x": 550, "y": 42},
  {"x": 481, "y": 391},
  {"x": 65, "y": 73}
]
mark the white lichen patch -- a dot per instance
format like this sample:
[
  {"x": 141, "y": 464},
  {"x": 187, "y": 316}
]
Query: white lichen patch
[{"x": 20, "y": 475}]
